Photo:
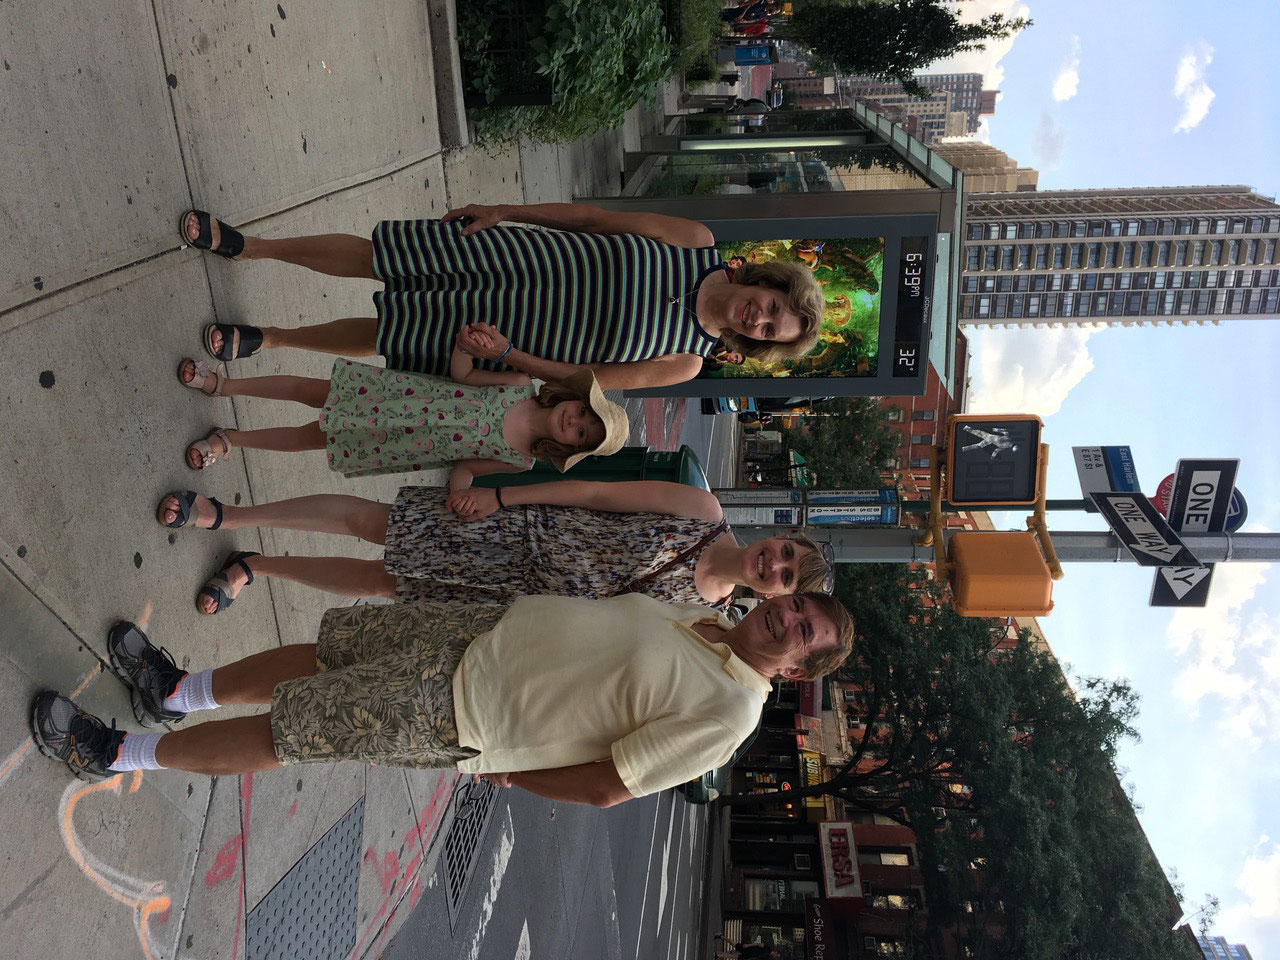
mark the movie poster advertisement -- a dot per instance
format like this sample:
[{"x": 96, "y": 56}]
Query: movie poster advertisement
[{"x": 850, "y": 272}]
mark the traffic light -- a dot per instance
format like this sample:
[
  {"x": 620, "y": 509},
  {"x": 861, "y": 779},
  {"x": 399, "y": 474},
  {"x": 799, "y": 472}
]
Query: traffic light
[{"x": 993, "y": 459}]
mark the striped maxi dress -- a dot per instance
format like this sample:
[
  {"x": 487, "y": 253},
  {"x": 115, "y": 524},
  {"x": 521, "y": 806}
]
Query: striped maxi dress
[{"x": 558, "y": 295}]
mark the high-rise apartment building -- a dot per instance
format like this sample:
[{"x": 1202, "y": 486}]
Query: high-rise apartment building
[
  {"x": 1217, "y": 948},
  {"x": 986, "y": 169},
  {"x": 1128, "y": 256},
  {"x": 953, "y": 109}
]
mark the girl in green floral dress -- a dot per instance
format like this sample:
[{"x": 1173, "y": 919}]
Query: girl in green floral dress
[{"x": 374, "y": 421}]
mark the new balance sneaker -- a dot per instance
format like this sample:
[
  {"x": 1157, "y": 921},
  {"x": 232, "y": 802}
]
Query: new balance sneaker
[
  {"x": 148, "y": 671},
  {"x": 63, "y": 731}
]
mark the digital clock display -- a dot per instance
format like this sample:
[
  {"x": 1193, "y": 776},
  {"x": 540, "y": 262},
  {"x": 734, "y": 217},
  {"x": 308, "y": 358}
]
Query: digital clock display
[
  {"x": 912, "y": 310},
  {"x": 993, "y": 460}
]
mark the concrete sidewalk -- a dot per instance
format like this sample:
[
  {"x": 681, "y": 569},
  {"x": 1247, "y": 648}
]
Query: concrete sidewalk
[{"x": 289, "y": 119}]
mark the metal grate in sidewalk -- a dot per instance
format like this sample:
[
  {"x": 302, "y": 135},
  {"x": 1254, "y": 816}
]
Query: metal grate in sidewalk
[
  {"x": 474, "y": 805},
  {"x": 310, "y": 914}
]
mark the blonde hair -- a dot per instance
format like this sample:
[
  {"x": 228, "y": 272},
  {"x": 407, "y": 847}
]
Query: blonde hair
[
  {"x": 551, "y": 393},
  {"x": 812, "y": 569},
  {"x": 822, "y": 662},
  {"x": 804, "y": 297}
]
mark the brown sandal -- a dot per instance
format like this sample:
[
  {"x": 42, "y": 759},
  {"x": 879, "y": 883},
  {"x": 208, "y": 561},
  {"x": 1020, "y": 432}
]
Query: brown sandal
[{"x": 208, "y": 457}]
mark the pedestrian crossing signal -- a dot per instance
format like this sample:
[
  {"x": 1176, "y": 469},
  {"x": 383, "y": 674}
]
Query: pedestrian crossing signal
[{"x": 993, "y": 460}]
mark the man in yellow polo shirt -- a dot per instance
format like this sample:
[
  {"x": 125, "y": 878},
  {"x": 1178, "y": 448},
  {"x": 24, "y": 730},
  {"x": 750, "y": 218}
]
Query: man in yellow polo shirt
[{"x": 586, "y": 701}]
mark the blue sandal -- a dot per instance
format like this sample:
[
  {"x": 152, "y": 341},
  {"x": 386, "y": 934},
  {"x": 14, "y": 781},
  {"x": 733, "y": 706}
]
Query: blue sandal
[
  {"x": 230, "y": 244},
  {"x": 186, "y": 503},
  {"x": 218, "y": 587}
]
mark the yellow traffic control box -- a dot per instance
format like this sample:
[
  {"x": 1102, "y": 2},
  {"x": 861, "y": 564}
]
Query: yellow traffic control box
[{"x": 999, "y": 574}]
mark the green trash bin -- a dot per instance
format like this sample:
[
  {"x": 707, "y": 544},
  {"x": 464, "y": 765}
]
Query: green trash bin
[{"x": 629, "y": 463}]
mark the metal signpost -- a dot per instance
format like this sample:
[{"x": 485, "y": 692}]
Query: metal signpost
[{"x": 997, "y": 461}]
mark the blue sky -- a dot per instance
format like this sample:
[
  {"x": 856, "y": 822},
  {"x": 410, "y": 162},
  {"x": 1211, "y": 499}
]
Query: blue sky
[{"x": 1172, "y": 93}]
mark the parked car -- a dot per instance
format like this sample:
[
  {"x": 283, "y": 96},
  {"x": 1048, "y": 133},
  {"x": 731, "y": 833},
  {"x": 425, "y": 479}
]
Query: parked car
[{"x": 712, "y": 405}]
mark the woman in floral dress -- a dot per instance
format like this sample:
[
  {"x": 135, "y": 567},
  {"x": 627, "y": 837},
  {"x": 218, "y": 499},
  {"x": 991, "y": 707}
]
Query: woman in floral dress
[{"x": 575, "y": 538}]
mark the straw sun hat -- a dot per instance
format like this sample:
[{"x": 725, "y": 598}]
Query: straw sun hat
[{"x": 583, "y": 384}]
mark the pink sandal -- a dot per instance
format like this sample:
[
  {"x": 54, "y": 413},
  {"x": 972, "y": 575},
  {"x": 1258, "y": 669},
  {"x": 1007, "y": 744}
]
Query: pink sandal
[
  {"x": 208, "y": 456},
  {"x": 202, "y": 375}
]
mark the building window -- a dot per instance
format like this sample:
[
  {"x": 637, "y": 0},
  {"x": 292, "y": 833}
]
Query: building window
[
  {"x": 885, "y": 856},
  {"x": 919, "y": 463},
  {"x": 926, "y": 438},
  {"x": 904, "y": 900},
  {"x": 975, "y": 231},
  {"x": 1113, "y": 228},
  {"x": 922, "y": 415},
  {"x": 893, "y": 414}
]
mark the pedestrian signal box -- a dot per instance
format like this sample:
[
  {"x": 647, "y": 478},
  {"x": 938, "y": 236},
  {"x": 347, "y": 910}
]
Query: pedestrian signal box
[
  {"x": 993, "y": 459},
  {"x": 999, "y": 575}
]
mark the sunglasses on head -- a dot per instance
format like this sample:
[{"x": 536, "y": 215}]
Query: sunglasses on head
[{"x": 829, "y": 555}]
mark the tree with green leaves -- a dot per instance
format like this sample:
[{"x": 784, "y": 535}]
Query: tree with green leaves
[
  {"x": 849, "y": 446},
  {"x": 892, "y": 39},
  {"x": 1028, "y": 846}
]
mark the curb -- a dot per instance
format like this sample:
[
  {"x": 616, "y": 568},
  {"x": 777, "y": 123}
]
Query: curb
[{"x": 451, "y": 114}]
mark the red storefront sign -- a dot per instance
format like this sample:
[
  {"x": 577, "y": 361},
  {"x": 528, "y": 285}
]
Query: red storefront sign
[
  {"x": 840, "y": 875},
  {"x": 810, "y": 697}
]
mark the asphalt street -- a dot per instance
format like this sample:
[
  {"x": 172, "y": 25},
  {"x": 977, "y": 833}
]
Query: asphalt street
[{"x": 572, "y": 882}]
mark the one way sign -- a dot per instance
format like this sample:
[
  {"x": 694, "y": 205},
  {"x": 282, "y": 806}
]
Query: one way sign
[
  {"x": 1143, "y": 530},
  {"x": 1181, "y": 586}
]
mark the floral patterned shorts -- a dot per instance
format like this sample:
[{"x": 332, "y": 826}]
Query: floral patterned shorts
[{"x": 383, "y": 692}]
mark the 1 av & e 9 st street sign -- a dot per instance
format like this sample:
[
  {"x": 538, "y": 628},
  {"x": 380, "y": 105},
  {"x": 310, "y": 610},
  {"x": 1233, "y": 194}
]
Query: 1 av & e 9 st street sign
[{"x": 1143, "y": 530}]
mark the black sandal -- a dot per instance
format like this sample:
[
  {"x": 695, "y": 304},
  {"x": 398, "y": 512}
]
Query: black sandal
[
  {"x": 218, "y": 587},
  {"x": 238, "y": 340},
  {"x": 230, "y": 245},
  {"x": 186, "y": 503}
]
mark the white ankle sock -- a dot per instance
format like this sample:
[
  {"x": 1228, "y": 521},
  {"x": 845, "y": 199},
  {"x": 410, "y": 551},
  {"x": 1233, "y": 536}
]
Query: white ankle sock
[
  {"x": 137, "y": 752},
  {"x": 195, "y": 692}
]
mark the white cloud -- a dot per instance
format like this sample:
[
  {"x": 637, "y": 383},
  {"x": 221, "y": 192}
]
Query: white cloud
[
  {"x": 985, "y": 62},
  {"x": 1067, "y": 81},
  {"x": 1227, "y": 655},
  {"x": 1026, "y": 371},
  {"x": 1190, "y": 87},
  {"x": 1048, "y": 143},
  {"x": 1254, "y": 918}
]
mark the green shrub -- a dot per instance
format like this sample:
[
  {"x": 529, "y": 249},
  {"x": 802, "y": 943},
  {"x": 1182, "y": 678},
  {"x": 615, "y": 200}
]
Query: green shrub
[{"x": 602, "y": 57}]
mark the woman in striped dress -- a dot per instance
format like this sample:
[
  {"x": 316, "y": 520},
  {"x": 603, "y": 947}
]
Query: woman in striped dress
[{"x": 639, "y": 298}]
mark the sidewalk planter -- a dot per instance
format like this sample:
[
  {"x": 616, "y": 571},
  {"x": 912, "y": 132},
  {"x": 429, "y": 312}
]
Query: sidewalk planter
[
  {"x": 498, "y": 46},
  {"x": 586, "y": 62}
]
